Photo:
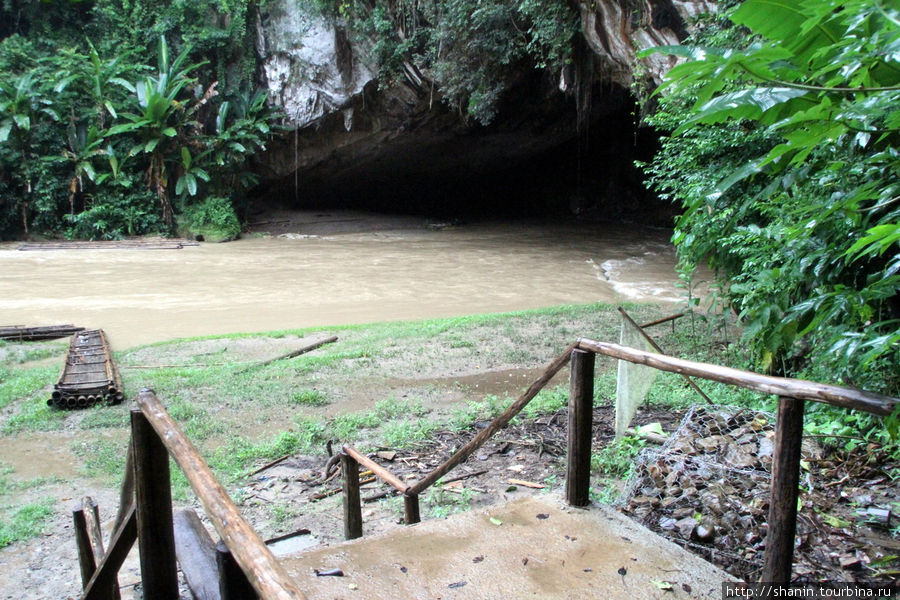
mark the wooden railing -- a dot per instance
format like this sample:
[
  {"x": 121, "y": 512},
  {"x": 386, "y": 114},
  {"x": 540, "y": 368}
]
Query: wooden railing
[
  {"x": 792, "y": 393},
  {"x": 244, "y": 568}
]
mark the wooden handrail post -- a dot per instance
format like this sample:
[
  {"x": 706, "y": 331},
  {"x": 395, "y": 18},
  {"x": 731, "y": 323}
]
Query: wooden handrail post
[
  {"x": 233, "y": 583},
  {"x": 153, "y": 492},
  {"x": 266, "y": 574},
  {"x": 581, "y": 413},
  {"x": 782, "y": 523},
  {"x": 411, "y": 509},
  {"x": 352, "y": 505},
  {"x": 86, "y": 558}
]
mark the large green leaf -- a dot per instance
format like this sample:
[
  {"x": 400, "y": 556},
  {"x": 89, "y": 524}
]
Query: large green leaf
[
  {"x": 804, "y": 27},
  {"x": 743, "y": 104}
]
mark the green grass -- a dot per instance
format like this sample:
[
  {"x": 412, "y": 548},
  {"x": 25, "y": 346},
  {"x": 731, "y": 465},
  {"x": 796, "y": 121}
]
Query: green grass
[
  {"x": 223, "y": 408},
  {"x": 21, "y": 382},
  {"x": 24, "y": 522},
  {"x": 309, "y": 398}
]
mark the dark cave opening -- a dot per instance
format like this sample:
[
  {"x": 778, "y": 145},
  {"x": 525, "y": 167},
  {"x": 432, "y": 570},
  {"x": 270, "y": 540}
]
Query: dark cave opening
[{"x": 499, "y": 172}]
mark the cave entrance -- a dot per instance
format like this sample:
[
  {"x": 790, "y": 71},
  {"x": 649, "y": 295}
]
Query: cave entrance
[{"x": 508, "y": 170}]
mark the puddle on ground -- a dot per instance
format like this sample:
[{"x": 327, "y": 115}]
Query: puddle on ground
[
  {"x": 292, "y": 545},
  {"x": 261, "y": 284},
  {"x": 41, "y": 455}
]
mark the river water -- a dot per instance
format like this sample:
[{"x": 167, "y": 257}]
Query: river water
[{"x": 293, "y": 281}]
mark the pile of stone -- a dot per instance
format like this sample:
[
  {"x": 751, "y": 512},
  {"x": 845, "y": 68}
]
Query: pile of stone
[{"x": 707, "y": 488}]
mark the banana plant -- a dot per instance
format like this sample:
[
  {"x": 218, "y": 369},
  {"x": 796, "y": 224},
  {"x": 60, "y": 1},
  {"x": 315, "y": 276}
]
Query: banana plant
[
  {"x": 160, "y": 115},
  {"x": 84, "y": 145},
  {"x": 22, "y": 104},
  {"x": 190, "y": 173},
  {"x": 242, "y": 127}
]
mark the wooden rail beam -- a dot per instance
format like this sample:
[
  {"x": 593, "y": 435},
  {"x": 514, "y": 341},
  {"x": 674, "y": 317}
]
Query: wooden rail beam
[
  {"x": 379, "y": 471},
  {"x": 792, "y": 388},
  {"x": 499, "y": 423},
  {"x": 267, "y": 576}
]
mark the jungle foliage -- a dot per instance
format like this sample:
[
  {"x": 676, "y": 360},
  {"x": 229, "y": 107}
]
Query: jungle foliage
[
  {"x": 116, "y": 116},
  {"x": 470, "y": 49},
  {"x": 785, "y": 118}
]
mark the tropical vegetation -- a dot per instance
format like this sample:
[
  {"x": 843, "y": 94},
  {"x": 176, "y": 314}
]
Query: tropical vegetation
[
  {"x": 784, "y": 121},
  {"x": 116, "y": 117}
]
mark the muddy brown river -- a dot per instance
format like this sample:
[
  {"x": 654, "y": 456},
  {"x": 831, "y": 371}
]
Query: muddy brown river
[{"x": 359, "y": 275}]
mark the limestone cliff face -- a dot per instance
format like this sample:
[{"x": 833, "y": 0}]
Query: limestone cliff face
[{"x": 348, "y": 126}]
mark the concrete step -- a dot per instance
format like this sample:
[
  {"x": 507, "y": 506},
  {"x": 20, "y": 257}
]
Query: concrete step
[{"x": 533, "y": 547}]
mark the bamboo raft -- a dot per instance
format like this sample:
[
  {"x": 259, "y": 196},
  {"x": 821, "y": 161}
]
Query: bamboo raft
[
  {"x": 136, "y": 244},
  {"x": 21, "y": 333},
  {"x": 89, "y": 375}
]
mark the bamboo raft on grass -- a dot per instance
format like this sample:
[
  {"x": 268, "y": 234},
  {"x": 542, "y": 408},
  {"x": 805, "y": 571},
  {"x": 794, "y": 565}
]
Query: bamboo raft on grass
[{"x": 89, "y": 375}]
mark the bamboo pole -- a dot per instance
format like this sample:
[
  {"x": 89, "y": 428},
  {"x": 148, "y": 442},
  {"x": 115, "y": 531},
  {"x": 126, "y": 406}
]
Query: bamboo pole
[
  {"x": 377, "y": 469},
  {"x": 656, "y": 347},
  {"x": 485, "y": 434},
  {"x": 782, "y": 521},
  {"x": 580, "y": 428},
  {"x": 265, "y": 573},
  {"x": 792, "y": 388},
  {"x": 352, "y": 505},
  {"x": 153, "y": 499}
]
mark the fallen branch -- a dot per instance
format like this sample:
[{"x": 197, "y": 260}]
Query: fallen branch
[
  {"x": 269, "y": 464},
  {"x": 464, "y": 476},
  {"x": 303, "y": 350}
]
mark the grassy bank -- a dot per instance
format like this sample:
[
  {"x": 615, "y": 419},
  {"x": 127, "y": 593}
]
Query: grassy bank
[{"x": 385, "y": 384}]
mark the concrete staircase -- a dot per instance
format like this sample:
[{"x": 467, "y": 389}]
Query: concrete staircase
[{"x": 533, "y": 547}]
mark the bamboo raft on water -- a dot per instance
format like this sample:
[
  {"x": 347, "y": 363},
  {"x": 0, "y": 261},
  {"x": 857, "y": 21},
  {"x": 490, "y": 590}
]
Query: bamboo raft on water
[
  {"x": 89, "y": 375},
  {"x": 136, "y": 244},
  {"x": 22, "y": 333}
]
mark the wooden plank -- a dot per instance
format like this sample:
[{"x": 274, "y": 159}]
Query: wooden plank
[
  {"x": 264, "y": 572},
  {"x": 119, "y": 546},
  {"x": 656, "y": 347},
  {"x": 352, "y": 505},
  {"x": 377, "y": 469},
  {"x": 793, "y": 388},
  {"x": 197, "y": 556},
  {"x": 485, "y": 434},
  {"x": 580, "y": 427},
  {"x": 153, "y": 498},
  {"x": 782, "y": 523}
]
